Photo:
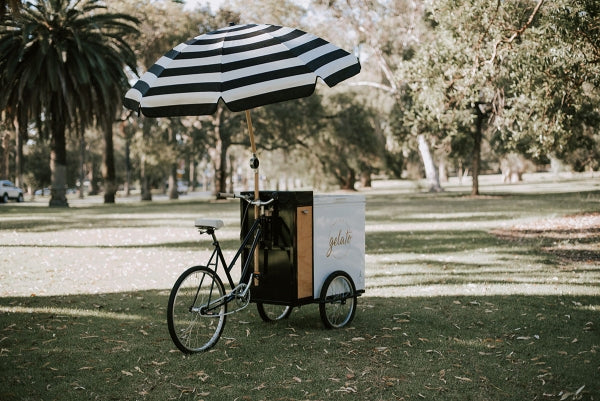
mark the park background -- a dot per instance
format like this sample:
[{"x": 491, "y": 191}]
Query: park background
[
  {"x": 447, "y": 89},
  {"x": 472, "y": 130}
]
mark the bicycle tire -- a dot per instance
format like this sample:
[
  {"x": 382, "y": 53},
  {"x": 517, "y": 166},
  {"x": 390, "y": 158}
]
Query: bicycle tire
[
  {"x": 192, "y": 331},
  {"x": 272, "y": 313},
  {"x": 337, "y": 302}
]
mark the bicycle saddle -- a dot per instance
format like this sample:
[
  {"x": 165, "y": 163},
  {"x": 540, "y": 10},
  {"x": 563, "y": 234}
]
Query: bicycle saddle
[{"x": 209, "y": 223}]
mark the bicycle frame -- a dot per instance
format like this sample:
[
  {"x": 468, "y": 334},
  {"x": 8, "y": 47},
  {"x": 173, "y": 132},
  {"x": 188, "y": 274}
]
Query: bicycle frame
[{"x": 218, "y": 257}]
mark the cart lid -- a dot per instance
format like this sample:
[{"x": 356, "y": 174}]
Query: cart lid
[{"x": 336, "y": 199}]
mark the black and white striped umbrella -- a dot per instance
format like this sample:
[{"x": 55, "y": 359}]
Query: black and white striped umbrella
[{"x": 245, "y": 65}]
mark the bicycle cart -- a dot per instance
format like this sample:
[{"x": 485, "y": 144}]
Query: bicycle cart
[{"x": 297, "y": 249}]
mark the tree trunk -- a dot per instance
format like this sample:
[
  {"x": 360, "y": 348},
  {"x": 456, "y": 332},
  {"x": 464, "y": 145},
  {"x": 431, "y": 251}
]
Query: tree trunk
[
  {"x": 6, "y": 153},
  {"x": 58, "y": 166},
  {"x": 442, "y": 171},
  {"x": 220, "y": 155},
  {"x": 365, "y": 179},
  {"x": 477, "y": 136},
  {"x": 127, "y": 159},
  {"x": 221, "y": 166},
  {"x": 431, "y": 172},
  {"x": 144, "y": 179},
  {"x": 108, "y": 164},
  {"x": 192, "y": 176},
  {"x": 94, "y": 189},
  {"x": 173, "y": 194},
  {"x": 231, "y": 173},
  {"x": 348, "y": 180},
  {"x": 21, "y": 138},
  {"x": 81, "y": 164}
]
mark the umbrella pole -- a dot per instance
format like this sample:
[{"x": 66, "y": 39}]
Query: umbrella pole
[{"x": 254, "y": 165}]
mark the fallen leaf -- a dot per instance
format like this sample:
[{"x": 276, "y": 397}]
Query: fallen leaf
[
  {"x": 126, "y": 373},
  {"x": 565, "y": 396},
  {"x": 347, "y": 390}
]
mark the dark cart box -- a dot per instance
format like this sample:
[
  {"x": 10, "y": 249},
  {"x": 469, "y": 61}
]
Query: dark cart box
[
  {"x": 306, "y": 239},
  {"x": 286, "y": 254}
]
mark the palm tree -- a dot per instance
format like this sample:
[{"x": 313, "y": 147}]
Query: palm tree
[
  {"x": 63, "y": 60},
  {"x": 13, "y": 5}
]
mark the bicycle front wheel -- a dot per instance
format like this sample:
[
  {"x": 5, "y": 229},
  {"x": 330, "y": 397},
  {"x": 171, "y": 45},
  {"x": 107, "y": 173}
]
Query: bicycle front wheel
[{"x": 196, "y": 312}]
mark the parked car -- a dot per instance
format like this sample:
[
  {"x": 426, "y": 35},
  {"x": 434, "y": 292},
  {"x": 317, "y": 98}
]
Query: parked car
[{"x": 9, "y": 191}]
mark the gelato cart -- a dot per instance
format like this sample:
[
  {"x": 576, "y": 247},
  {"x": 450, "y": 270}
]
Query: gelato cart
[
  {"x": 296, "y": 248},
  {"x": 313, "y": 250}
]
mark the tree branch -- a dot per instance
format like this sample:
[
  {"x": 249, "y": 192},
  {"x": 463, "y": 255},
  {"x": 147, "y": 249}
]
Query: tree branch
[
  {"x": 516, "y": 33},
  {"x": 377, "y": 85}
]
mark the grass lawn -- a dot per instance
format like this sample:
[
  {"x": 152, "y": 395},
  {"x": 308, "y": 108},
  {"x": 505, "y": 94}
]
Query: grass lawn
[{"x": 488, "y": 298}]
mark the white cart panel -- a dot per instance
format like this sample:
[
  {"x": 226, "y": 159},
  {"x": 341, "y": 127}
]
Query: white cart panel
[{"x": 338, "y": 238}]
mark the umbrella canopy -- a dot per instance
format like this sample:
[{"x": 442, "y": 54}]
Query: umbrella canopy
[{"x": 245, "y": 65}]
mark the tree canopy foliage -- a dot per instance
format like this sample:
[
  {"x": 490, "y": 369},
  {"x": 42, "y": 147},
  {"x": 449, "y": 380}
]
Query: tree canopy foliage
[{"x": 476, "y": 82}]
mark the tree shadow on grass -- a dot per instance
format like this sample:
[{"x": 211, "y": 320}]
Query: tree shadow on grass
[
  {"x": 429, "y": 241},
  {"x": 116, "y": 346}
]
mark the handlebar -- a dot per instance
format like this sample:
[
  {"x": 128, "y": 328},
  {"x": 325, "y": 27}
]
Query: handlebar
[{"x": 249, "y": 198}]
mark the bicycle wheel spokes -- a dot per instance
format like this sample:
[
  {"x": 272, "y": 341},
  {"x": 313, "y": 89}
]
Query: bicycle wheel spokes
[
  {"x": 192, "y": 329},
  {"x": 338, "y": 300}
]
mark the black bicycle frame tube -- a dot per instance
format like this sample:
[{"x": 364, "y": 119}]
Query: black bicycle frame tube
[{"x": 255, "y": 229}]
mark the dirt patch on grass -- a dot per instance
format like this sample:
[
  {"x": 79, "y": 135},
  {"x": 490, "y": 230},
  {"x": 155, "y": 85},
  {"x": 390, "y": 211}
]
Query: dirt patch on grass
[{"x": 573, "y": 238}]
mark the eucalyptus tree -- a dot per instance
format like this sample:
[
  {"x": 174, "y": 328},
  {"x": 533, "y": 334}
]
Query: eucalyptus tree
[
  {"x": 461, "y": 78},
  {"x": 385, "y": 35},
  {"x": 63, "y": 61},
  {"x": 523, "y": 73},
  {"x": 557, "y": 80}
]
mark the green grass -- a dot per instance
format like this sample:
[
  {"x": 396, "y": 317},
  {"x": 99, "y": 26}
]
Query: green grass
[
  {"x": 116, "y": 347},
  {"x": 453, "y": 310}
]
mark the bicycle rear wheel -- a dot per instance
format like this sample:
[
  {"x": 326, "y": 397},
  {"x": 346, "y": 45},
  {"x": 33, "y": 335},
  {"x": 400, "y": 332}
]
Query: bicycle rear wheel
[
  {"x": 338, "y": 300},
  {"x": 194, "y": 325},
  {"x": 272, "y": 313}
]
